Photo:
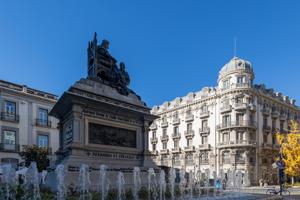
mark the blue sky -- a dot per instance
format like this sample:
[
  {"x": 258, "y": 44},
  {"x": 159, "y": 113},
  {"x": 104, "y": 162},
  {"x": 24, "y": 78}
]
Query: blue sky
[{"x": 169, "y": 47}]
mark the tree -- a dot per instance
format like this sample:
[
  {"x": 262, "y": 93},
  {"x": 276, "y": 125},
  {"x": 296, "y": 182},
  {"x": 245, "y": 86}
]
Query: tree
[
  {"x": 35, "y": 154},
  {"x": 290, "y": 148}
]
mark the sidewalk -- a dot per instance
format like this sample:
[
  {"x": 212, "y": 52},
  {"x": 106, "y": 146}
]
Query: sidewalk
[{"x": 262, "y": 190}]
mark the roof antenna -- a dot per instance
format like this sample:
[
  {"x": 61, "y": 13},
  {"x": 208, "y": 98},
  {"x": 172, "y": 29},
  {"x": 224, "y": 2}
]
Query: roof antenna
[{"x": 234, "y": 48}]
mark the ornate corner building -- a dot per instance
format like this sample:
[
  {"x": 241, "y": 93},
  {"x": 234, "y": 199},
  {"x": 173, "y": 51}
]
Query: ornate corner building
[{"x": 228, "y": 127}]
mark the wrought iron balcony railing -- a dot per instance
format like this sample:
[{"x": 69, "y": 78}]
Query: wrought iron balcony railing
[{"x": 11, "y": 117}]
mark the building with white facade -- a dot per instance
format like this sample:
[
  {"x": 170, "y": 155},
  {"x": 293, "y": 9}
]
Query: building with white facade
[
  {"x": 24, "y": 121},
  {"x": 227, "y": 127}
]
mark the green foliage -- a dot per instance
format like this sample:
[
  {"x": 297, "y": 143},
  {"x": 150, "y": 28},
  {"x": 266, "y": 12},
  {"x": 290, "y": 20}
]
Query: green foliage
[
  {"x": 177, "y": 191},
  {"x": 129, "y": 194},
  {"x": 112, "y": 194},
  {"x": 19, "y": 192},
  {"x": 35, "y": 154},
  {"x": 143, "y": 193}
]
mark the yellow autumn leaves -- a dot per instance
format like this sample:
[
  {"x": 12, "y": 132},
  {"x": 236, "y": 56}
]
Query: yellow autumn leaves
[{"x": 290, "y": 147}]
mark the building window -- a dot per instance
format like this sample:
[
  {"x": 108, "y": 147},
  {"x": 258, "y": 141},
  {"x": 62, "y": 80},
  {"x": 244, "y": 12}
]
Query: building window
[
  {"x": 265, "y": 138},
  {"x": 189, "y": 112},
  {"x": 176, "y": 130},
  {"x": 189, "y": 142},
  {"x": 204, "y": 139},
  {"x": 273, "y": 125},
  {"x": 43, "y": 141},
  {"x": 10, "y": 107},
  {"x": 281, "y": 126},
  {"x": 225, "y": 137},
  {"x": 189, "y": 127},
  {"x": 226, "y": 84},
  {"x": 204, "y": 158},
  {"x": 239, "y": 119},
  {"x": 265, "y": 121},
  {"x": 226, "y": 157},
  {"x": 240, "y": 136},
  {"x": 204, "y": 124},
  {"x": 153, "y": 147},
  {"x": 189, "y": 159},
  {"x": 9, "y": 140},
  {"x": 239, "y": 100},
  {"x": 43, "y": 116},
  {"x": 175, "y": 116},
  {"x": 164, "y": 145},
  {"x": 204, "y": 108},
  {"x": 176, "y": 144},
  {"x": 176, "y": 159},
  {"x": 226, "y": 120},
  {"x": 164, "y": 132},
  {"x": 153, "y": 134},
  {"x": 241, "y": 79},
  {"x": 239, "y": 156}
]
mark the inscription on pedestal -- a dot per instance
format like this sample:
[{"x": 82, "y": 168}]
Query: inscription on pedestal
[{"x": 108, "y": 135}]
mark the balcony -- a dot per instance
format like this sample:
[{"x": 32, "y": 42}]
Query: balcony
[
  {"x": 189, "y": 117},
  {"x": 241, "y": 85},
  {"x": 164, "y": 124},
  {"x": 204, "y": 147},
  {"x": 189, "y": 133},
  {"x": 282, "y": 116},
  {"x": 189, "y": 148},
  {"x": 176, "y": 150},
  {"x": 204, "y": 130},
  {"x": 266, "y": 129},
  {"x": 177, "y": 163},
  {"x": 10, "y": 117},
  {"x": 226, "y": 161},
  {"x": 153, "y": 126},
  {"x": 252, "y": 107},
  {"x": 164, "y": 137},
  {"x": 154, "y": 140},
  {"x": 275, "y": 114},
  {"x": 237, "y": 143},
  {"x": 238, "y": 124},
  {"x": 240, "y": 106},
  {"x": 176, "y": 121},
  {"x": 265, "y": 111},
  {"x": 9, "y": 147},
  {"x": 176, "y": 136},
  {"x": 43, "y": 123},
  {"x": 204, "y": 114},
  {"x": 164, "y": 151},
  {"x": 225, "y": 108},
  {"x": 266, "y": 146}
]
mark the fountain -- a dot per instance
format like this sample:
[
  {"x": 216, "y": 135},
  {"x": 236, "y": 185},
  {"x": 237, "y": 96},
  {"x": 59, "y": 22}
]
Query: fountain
[
  {"x": 9, "y": 181},
  {"x": 120, "y": 185},
  {"x": 172, "y": 177},
  {"x": 152, "y": 184},
  {"x": 136, "y": 182},
  {"x": 162, "y": 185},
  {"x": 206, "y": 181},
  {"x": 60, "y": 177},
  {"x": 84, "y": 182},
  {"x": 32, "y": 187},
  {"x": 182, "y": 183},
  {"x": 191, "y": 183},
  {"x": 103, "y": 182}
]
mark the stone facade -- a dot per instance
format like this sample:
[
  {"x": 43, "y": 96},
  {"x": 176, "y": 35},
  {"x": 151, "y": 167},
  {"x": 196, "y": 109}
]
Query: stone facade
[
  {"x": 24, "y": 121},
  {"x": 230, "y": 126}
]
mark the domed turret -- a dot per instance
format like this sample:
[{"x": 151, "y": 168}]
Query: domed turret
[{"x": 237, "y": 72}]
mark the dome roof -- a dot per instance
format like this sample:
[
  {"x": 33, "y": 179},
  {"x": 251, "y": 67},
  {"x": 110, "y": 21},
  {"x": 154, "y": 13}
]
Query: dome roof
[{"x": 236, "y": 63}]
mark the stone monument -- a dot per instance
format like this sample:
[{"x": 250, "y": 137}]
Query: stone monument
[{"x": 102, "y": 121}]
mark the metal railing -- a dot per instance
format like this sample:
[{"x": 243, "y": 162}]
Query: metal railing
[
  {"x": 244, "y": 123},
  {"x": 43, "y": 123},
  {"x": 9, "y": 147},
  {"x": 12, "y": 117}
]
